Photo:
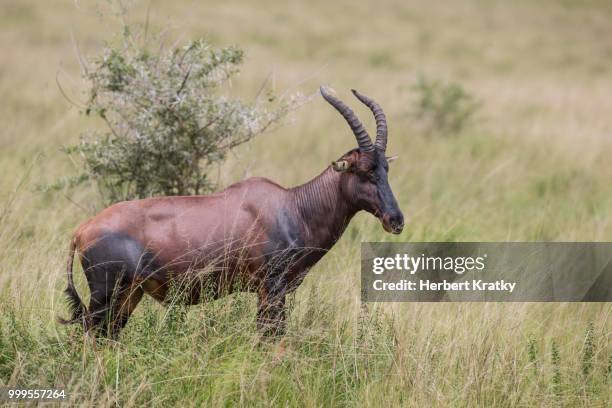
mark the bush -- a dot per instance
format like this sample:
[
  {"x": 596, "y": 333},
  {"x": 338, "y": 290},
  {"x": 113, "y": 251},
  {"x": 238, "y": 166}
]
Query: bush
[
  {"x": 166, "y": 121},
  {"x": 444, "y": 108}
]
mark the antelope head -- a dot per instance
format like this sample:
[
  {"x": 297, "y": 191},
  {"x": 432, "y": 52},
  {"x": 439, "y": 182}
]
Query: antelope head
[{"x": 364, "y": 170}]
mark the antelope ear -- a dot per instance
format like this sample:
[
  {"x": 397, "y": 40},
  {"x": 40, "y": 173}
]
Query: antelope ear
[
  {"x": 391, "y": 158},
  {"x": 341, "y": 165}
]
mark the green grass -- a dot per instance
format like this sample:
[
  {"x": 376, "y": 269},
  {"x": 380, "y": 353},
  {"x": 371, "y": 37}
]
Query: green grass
[{"x": 534, "y": 166}]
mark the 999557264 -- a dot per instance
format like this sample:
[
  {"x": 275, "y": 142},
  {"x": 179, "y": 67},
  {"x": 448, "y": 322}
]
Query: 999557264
[{"x": 17, "y": 394}]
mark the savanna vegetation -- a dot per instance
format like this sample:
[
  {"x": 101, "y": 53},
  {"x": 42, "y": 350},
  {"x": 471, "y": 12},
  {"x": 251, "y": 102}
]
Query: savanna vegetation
[{"x": 500, "y": 114}]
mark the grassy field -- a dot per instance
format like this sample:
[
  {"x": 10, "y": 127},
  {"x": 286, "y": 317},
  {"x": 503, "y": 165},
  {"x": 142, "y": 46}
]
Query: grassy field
[{"x": 534, "y": 166}]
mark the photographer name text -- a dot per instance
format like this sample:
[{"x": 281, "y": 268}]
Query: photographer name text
[{"x": 427, "y": 285}]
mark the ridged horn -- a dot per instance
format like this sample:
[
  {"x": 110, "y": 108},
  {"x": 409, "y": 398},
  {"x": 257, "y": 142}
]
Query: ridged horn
[
  {"x": 363, "y": 139},
  {"x": 379, "y": 116}
]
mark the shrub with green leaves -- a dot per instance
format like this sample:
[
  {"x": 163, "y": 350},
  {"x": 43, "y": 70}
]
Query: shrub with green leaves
[
  {"x": 166, "y": 120},
  {"x": 443, "y": 108}
]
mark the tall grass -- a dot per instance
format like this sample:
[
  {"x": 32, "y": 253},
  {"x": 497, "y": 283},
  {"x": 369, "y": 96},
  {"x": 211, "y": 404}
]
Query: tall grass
[
  {"x": 535, "y": 167},
  {"x": 416, "y": 355}
]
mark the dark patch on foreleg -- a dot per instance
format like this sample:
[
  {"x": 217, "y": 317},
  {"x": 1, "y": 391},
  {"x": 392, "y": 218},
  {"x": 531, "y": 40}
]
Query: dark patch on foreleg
[{"x": 271, "y": 311}]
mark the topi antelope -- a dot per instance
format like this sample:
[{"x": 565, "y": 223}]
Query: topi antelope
[{"x": 253, "y": 236}]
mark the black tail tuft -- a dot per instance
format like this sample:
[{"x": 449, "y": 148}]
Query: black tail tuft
[
  {"x": 74, "y": 301},
  {"x": 76, "y": 306}
]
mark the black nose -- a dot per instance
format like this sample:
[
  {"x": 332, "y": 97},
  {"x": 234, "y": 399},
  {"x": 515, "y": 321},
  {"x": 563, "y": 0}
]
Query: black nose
[{"x": 397, "y": 222}]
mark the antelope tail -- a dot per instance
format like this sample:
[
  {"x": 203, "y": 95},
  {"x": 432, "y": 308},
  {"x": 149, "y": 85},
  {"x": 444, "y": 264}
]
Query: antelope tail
[{"x": 74, "y": 301}]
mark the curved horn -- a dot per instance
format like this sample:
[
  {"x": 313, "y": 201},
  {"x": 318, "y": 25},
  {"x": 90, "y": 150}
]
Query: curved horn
[
  {"x": 363, "y": 139},
  {"x": 379, "y": 116}
]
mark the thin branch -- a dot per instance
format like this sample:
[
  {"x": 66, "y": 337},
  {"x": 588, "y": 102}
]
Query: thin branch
[
  {"x": 263, "y": 86},
  {"x": 72, "y": 102},
  {"x": 307, "y": 78},
  {"x": 184, "y": 82},
  {"x": 77, "y": 50},
  {"x": 147, "y": 21},
  {"x": 85, "y": 210},
  {"x": 110, "y": 126}
]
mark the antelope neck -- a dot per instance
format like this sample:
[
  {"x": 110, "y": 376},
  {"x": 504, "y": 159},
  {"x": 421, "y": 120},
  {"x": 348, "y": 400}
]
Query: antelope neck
[{"x": 322, "y": 209}]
